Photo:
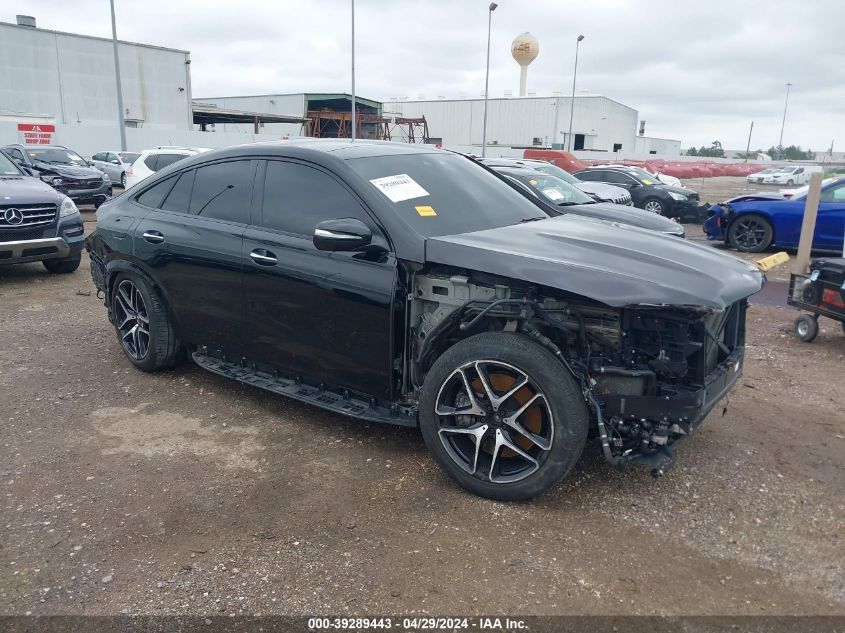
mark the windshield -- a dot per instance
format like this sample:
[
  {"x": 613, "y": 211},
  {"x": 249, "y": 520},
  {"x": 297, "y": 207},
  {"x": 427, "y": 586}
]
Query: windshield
[
  {"x": 556, "y": 190},
  {"x": 56, "y": 156},
  {"x": 128, "y": 157},
  {"x": 7, "y": 167},
  {"x": 445, "y": 194},
  {"x": 554, "y": 170},
  {"x": 642, "y": 175}
]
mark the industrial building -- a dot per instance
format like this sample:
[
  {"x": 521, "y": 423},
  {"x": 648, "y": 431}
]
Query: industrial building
[
  {"x": 599, "y": 124},
  {"x": 70, "y": 79}
]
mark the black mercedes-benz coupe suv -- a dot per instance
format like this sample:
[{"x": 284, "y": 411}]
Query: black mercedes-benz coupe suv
[{"x": 409, "y": 285}]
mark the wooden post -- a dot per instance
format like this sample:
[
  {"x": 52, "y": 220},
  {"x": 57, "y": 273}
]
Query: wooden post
[{"x": 808, "y": 225}]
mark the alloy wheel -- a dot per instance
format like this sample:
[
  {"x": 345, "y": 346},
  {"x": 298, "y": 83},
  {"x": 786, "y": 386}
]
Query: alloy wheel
[
  {"x": 750, "y": 233},
  {"x": 133, "y": 322},
  {"x": 494, "y": 421},
  {"x": 654, "y": 206}
]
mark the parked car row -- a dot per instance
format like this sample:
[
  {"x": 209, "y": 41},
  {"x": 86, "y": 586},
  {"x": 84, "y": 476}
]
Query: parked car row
[
  {"x": 788, "y": 175},
  {"x": 400, "y": 283}
]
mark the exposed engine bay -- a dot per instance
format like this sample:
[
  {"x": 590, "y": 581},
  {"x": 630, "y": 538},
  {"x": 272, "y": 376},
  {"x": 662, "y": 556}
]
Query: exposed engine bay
[{"x": 648, "y": 374}]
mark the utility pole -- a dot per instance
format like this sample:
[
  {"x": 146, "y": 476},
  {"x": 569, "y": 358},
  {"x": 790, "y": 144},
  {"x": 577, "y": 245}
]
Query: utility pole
[
  {"x": 354, "y": 121},
  {"x": 748, "y": 145},
  {"x": 572, "y": 104},
  {"x": 120, "y": 121},
  {"x": 783, "y": 123},
  {"x": 490, "y": 10}
]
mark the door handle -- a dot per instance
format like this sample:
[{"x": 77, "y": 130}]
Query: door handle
[
  {"x": 263, "y": 257},
  {"x": 153, "y": 237}
]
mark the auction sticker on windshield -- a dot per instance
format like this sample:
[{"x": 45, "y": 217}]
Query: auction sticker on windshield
[{"x": 400, "y": 187}]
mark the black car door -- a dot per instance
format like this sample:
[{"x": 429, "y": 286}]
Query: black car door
[
  {"x": 324, "y": 316},
  {"x": 192, "y": 244},
  {"x": 620, "y": 179}
]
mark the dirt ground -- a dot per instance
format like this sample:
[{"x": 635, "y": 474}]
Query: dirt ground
[{"x": 185, "y": 493}]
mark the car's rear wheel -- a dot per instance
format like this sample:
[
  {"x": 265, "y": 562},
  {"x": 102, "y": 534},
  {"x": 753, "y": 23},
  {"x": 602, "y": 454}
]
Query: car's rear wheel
[
  {"x": 790, "y": 182},
  {"x": 143, "y": 327},
  {"x": 654, "y": 205},
  {"x": 63, "y": 266},
  {"x": 750, "y": 233},
  {"x": 502, "y": 416},
  {"x": 806, "y": 327}
]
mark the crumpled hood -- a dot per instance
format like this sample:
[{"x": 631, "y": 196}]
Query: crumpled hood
[
  {"x": 70, "y": 171},
  {"x": 618, "y": 266},
  {"x": 26, "y": 190},
  {"x": 632, "y": 216}
]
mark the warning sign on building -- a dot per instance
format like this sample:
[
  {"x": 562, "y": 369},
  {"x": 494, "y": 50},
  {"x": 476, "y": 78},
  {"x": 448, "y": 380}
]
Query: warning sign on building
[{"x": 36, "y": 133}]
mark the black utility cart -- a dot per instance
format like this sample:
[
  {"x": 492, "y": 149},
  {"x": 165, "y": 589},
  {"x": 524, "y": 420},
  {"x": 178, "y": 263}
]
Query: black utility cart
[{"x": 821, "y": 293}]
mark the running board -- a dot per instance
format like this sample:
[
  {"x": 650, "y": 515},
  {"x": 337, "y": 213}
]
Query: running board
[{"x": 343, "y": 404}]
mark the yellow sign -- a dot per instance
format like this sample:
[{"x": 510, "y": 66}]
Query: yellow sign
[
  {"x": 426, "y": 211},
  {"x": 646, "y": 181}
]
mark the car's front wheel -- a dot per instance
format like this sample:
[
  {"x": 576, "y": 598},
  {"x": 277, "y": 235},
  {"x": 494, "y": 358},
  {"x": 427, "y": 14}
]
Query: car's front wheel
[
  {"x": 654, "y": 205},
  {"x": 502, "y": 416},
  {"x": 750, "y": 233},
  {"x": 790, "y": 182},
  {"x": 123, "y": 180},
  {"x": 143, "y": 327}
]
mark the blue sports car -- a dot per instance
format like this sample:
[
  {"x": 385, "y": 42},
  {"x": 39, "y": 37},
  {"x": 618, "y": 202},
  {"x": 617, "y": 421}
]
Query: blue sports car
[{"x": 756, "y": 222}]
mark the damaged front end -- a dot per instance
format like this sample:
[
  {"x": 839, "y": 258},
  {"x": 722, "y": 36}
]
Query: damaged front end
[{"x": 649, "y": 375}]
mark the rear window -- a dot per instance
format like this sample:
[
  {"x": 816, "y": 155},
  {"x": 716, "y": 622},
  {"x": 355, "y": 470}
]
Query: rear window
[{"x": 128, "y": 157}]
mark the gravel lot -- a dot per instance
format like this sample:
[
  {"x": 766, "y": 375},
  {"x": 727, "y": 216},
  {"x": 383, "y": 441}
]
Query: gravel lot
[{"x": 185, "y": 493}]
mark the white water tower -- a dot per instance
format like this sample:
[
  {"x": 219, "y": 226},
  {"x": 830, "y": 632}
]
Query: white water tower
[{"x": 524, "y": 49}]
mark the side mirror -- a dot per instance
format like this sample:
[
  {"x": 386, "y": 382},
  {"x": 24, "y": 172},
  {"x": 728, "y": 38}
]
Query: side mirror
[
  {"x": 115, "y": 162},
  {"x": 344, "y": 234},
  {"x": 90, "y": 163}
]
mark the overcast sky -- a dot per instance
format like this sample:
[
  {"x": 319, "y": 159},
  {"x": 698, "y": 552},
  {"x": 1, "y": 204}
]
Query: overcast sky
[{"x": 696, "y": 70}]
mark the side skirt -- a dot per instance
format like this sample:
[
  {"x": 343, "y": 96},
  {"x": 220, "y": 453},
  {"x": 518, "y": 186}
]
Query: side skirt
[{"x": 343, "y": 404}]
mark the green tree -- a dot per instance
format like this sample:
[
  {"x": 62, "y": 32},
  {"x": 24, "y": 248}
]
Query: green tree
[{"x": 692, "y": 151}]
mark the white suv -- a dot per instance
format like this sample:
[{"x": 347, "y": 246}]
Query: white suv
[{"x": 151, "y": 160}]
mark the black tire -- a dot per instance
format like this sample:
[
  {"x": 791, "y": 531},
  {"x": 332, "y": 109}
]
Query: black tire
[
  {"x": 806, "y": 327},
  {"x": 123, "y": 180},
  {"x": 63, "y": 266},
  {"x": 654, "y": 205},
  {"x": 162, "y": 348},
  {"x": 790, "y": 182},
  {"x": 563, "y": 418},
  {"x": 750, "y": 233}
]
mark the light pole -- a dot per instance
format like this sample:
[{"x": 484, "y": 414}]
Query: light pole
[
  {"x": 490, "y": 10},
  {"x": 353, "y": 70},
  {"x": 120, "y": 122},
  {"x": 572, "y": 104},
  {"x": 783, "y": 123}
]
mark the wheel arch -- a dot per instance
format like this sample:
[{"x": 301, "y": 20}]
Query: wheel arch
[
  {"x": 766, "y": 215},
  {"x": 117, "y": 266}
]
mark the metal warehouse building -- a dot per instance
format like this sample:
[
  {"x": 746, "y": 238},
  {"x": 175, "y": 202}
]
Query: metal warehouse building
[
  {"x": 599, "y": 123},
  {"x": 70, "y": 79}
]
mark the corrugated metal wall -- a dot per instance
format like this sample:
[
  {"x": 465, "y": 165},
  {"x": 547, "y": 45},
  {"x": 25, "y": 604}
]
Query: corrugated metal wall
[
  {"x": 518, "y": 121},
  {"x": 71, "y": 78}
]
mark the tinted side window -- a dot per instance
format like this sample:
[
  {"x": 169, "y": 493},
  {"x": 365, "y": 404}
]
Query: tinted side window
[
  {"x": 179, "y": 198},
  {"x": 99, "y": 156},
  {"x": 223, "y": 191},
  {"x": 165, "y": 160},
  {"x": 17, "y": 154},
  {"x": 151, "y": 160},
  {"x": 591, "y": 176},
  {"x": 153, "y": 196},
  {"x": 297, "y": 198},
  {"x": 617, "y": 177}
]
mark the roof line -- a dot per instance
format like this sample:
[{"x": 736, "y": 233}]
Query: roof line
[{"x": 94, "y": 37}]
